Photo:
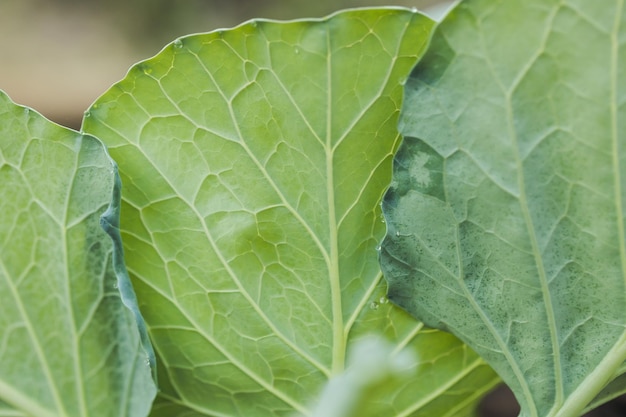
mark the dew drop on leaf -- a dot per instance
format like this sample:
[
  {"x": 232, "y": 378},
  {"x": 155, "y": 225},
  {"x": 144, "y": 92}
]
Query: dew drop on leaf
[
  {"x": 374, "y": 305},
  {"x": 178, "y": 44}
]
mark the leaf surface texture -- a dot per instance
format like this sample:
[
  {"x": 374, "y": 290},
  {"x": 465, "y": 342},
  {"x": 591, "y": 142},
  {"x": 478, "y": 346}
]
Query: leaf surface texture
[
  {"x": 68, "y": 344},
  {"x": 253, "y": 162},
  {"x": 506, "y": 213}
]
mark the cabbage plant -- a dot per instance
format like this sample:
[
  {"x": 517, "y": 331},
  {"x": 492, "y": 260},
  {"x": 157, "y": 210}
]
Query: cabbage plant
[{"x": 212, "y": 242}]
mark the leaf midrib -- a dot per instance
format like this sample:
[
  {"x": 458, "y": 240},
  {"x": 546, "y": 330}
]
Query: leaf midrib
[
  {"x": 79, "y": 384},
  {"x": 339, "y": 337},
  {"x": 530, "y": 228},
  {"x": 603, "y": 373}
]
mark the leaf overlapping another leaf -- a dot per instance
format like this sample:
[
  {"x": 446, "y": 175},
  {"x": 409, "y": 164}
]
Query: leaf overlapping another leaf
[
  {"x": 506, "y": 215},
  {"x": 68, "y": 345},
  {"x": 253, "y": 161}
]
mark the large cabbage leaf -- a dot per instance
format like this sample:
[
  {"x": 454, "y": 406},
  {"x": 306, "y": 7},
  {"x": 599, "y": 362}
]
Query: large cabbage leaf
[
  {"x": 506, "y": 211},
  {"x": 68, "y": 344},
  {"x": 253, "y": 162}
]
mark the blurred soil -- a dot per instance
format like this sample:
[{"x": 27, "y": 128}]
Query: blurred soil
[{"x": 501, "y": 403}]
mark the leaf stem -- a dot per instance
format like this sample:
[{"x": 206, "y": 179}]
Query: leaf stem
[{"x": 595, "y": 381}]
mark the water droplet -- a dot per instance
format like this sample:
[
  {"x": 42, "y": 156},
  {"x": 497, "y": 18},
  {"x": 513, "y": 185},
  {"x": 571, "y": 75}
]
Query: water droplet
[
  {"x": 87, "y": 114},
  {"x": 374, "y": 305},
  {"x": 297, "y": 51},
  {"x": 147, "y": 361},
  {"x": 115, "y": 285},
  {"x": 178, "y": 43},
  {"x": 378, "y": 248},
  {"x": 397, "y": 234},
  {"x": 254, "y": 23},
  {"x": 383, "y": 300},
  {"x": 414, "y": 9}
]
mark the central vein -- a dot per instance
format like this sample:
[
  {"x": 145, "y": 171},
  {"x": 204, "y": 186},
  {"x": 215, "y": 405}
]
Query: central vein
[{"x": 338, "y": 350}]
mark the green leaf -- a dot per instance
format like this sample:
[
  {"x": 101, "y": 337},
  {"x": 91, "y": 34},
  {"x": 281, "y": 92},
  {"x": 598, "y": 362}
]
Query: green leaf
[
  {"x": 253, "y": 163},
  {"x": 616, "y": 388},
  {"x": 374, "y": 367},
  {"x": 68, "y": 345},
  {"x": 506, "y": 215}
]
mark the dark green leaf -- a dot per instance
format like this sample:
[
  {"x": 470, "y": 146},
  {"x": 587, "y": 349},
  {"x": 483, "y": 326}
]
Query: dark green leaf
[{"x": 506, "y": 216}]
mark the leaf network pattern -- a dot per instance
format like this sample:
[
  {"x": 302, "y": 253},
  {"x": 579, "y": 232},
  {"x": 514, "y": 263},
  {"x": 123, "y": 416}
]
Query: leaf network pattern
[
  {"x": 253, "y": 161},
  {"x": 68, "y": 346},
  {"x": 506, "y": 218}
]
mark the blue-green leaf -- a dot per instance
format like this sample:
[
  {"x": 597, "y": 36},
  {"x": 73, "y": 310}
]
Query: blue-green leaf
[{"x": 506, "y": 213}]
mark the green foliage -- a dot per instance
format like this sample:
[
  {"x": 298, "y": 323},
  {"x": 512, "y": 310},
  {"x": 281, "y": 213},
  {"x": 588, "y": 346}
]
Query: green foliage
[
  {"x": 68, "y": 346},
  {"x": 506, "y": 214},
  {"x": 254, "y": 161}
]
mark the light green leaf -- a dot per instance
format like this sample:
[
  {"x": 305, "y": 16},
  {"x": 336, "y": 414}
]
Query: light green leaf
[
  {"x": 253, "y": 163},
  {"x": 616, "y": 388},
  {"x": 68, "y": 345},
  {"x": 374, "y": 366},
  {"x": 506, "y": 215}
]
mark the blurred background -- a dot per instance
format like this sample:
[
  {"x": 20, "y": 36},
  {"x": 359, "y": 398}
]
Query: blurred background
[{"x": 58, "y": 56}]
